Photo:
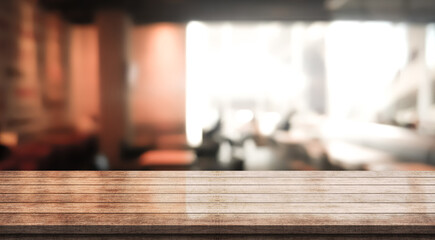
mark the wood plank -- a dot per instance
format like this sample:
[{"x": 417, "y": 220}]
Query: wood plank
[
  {"x": 217, "y": 203},
  {"x": 216, "y": 208},
  {"x": 224, "y": 219},
  {"x": 217, "y": 181},
  {"x": 220, "y": 174},
  {"x": 261, "y": 198},
  {"x": 221, "y": 189},
  {"x": 217, "y": 223},
  {"x": 222, "y": 237}
]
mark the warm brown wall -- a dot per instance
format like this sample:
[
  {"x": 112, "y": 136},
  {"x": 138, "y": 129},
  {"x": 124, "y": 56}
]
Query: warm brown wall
[
  {"x": 48, "y": 70},
  {"x": 84, "y": 77},
  {"x": 54, "y": 69},
  {"x": 158, "y": 92},
  {"x": 20, "y": 97}
]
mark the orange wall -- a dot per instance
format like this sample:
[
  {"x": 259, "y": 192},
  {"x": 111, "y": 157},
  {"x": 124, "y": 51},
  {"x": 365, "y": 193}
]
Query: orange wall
[
  {"x": 158, "y": 90},
  {"x": 20, "y": 96},
  {"x": 84, "y": 77}
]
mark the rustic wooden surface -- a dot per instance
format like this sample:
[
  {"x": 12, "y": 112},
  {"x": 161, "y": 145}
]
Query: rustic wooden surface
[{"x": 280, "y": 202}]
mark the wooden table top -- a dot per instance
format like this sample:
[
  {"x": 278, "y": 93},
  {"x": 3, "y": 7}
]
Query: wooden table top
[{"x": 180, "y": 202}]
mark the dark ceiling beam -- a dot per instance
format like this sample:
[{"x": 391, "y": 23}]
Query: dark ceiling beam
[{"x": 145, "y": 11}]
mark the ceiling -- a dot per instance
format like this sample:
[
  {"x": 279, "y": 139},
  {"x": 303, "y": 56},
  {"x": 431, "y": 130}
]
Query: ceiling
[{"x": 144, "y": 11}]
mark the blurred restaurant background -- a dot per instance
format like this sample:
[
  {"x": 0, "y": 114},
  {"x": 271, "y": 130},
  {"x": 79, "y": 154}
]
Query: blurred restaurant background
[{"x": 217, "y": 85}]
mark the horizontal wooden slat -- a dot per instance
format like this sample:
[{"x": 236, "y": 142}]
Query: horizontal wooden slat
[
  {"x": 223, "y": 189},
  {"x": 224, "y": 219},
  {"x": 208, "y": 174},
  {"x": 215, "y": 208},
  {"x": 290, "y": 197},
  {"x": 221, "y": 236},
  {"x": 217, "y": 223},
  {"x": 218, "y": 181}
]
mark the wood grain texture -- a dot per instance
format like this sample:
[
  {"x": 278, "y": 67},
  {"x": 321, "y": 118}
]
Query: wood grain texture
[
  {"x": 216, "y": 181},
  {"x": 217, "y": 189},
  {"x": 220, "y": 174},
  {"x": 220, "y": 236},
  {"x": 217, "y": 208},
  {"x": 211, "y": 198},
  {"x": 117, "y": 202}
]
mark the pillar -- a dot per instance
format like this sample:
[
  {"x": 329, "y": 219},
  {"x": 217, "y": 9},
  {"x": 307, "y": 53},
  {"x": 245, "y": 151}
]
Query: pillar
[{"x": 113, "y": 33}]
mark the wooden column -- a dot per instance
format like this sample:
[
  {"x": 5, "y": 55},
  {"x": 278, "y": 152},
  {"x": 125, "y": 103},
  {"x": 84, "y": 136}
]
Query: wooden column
[
  {"x": 113, "y": 31},
  {"x": 54, "y": 69},
  {"x": 84, "y": 97}
]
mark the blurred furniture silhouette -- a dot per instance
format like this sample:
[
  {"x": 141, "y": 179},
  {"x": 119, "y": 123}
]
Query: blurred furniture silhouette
[
  {"x": 53, "y": 151},
  {"x": 167, "y": 159}
]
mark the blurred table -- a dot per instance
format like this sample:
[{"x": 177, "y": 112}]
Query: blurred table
[
  {"x": 186, "y": 204},
  {"x": 167, "y": 159},
  {"x": 350, "y": 156},
  {"x": 399, "y": 166}
]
